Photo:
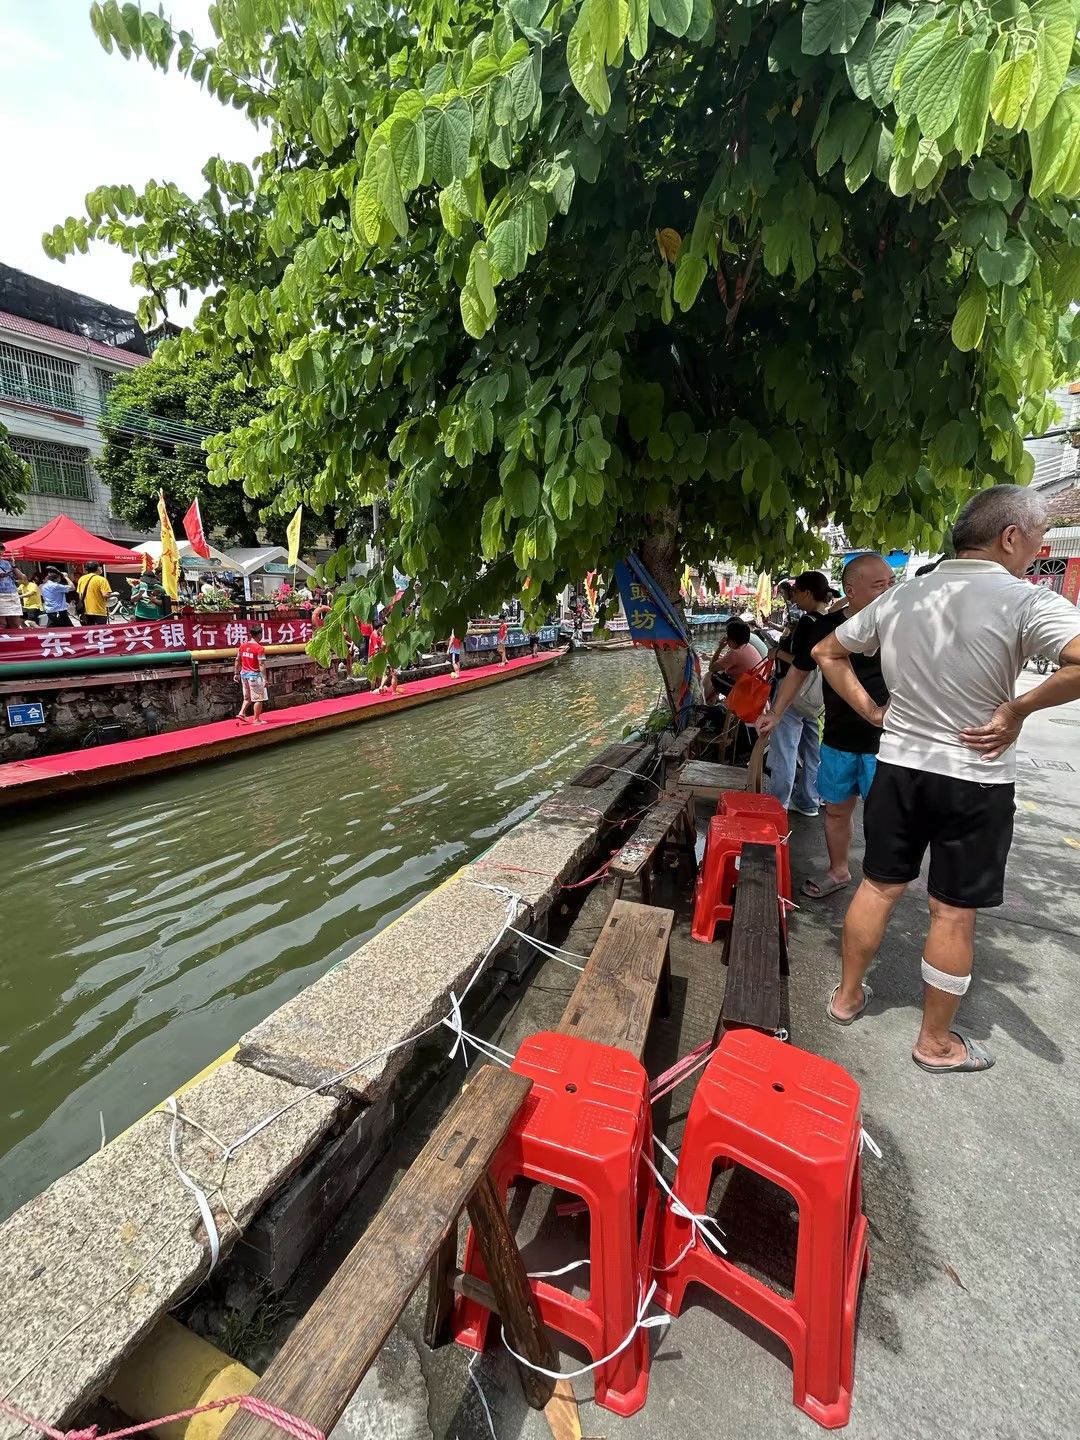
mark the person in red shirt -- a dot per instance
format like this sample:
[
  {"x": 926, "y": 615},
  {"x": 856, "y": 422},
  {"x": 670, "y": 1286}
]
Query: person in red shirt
[
  {"x": 501, "y": 642},
  {"x": 250, "y": 671}
]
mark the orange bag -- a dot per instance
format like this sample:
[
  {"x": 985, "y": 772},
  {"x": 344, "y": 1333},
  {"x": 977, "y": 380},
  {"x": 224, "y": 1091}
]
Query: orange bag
[{"x": 750, "y": 693}]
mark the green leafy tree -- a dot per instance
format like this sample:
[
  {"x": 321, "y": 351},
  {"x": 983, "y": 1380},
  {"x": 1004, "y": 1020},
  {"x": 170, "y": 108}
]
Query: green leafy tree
[
  {"x": 680, "y": 275},
  {"x": 154, "y": 423},
  {"x": 14, "y": 477}
]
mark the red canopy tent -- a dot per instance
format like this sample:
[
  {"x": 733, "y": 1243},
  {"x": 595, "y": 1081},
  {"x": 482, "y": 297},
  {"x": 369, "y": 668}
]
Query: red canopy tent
[{"x": 64, "y": 539}]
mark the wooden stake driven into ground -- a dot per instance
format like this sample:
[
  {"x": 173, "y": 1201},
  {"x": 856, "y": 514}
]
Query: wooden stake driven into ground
[{"x": 326, "y": 1356}]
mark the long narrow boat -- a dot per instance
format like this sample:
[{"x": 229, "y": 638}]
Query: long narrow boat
[{"x": 45, "y": 776}]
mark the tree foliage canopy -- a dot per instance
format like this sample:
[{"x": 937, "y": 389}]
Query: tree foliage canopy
[
  {"x": 14, "y": 477},
  {"x": 688, "y": 275}
]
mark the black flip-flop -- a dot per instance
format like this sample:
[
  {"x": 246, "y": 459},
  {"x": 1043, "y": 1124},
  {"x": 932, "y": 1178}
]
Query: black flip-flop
[{"x": 976, "y": 1057}]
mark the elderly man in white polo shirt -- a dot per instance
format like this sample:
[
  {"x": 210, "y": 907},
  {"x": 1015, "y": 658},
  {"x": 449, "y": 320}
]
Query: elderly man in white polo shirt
[{"x": 952, "y": 644}]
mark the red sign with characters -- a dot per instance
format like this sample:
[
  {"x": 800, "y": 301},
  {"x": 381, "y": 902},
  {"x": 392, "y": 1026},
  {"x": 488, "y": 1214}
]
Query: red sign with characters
[
  {"x": 147, "y": 637},
  {"x": 1070, "y": 586}
]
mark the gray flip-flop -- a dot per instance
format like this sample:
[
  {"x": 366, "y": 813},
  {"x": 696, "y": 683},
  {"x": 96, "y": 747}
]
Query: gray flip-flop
[
  {"x": 824, "y": 887},
  {"x": 976, "y": 1057},
  {"x": 868, "y": 995}
]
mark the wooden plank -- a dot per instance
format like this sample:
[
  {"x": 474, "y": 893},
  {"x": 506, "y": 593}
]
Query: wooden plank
[
  {"x": 614, "y": 999},
  {"x": 651, "y": 833},
  {"x": 615, "y": 757},
  {"x": 752, "y": 950},
  {"x": 706, "y": 781},
  {"x": 509, "y": 1283},
  {"x": 326, "y": 1356},
  {"x": 440, "y": 1301}
]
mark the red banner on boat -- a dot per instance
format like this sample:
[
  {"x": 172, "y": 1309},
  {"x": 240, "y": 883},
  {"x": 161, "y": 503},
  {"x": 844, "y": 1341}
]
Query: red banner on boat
[
  {"x": 140, "y": 637},
  {"x": 193, "y": 529}
]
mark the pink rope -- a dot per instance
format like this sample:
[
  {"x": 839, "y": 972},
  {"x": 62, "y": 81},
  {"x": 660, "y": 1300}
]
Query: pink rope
[{"x": 291, "y": 1424}]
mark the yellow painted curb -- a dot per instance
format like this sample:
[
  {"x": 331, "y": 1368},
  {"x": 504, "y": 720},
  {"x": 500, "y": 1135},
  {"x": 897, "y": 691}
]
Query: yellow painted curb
[{"x": 175, "y": 1369}]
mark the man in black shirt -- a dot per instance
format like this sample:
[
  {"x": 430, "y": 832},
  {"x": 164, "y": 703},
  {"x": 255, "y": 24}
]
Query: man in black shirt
[{"x": 849, "y": 743}]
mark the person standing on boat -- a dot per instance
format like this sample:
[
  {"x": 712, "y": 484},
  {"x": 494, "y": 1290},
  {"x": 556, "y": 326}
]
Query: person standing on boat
[
  {"x": 453, "y": 650},
  {"x": 54, "y": 593},
  {"x": 11, "y": 610},
  {"x": 500, "y": 641},
  {"x": 249, "y": 671}
]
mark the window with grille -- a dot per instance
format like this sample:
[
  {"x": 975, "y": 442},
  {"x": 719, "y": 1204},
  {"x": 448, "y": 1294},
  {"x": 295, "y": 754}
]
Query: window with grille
[
  {"x": 106, "y": 379},
  {"x": 37, "y": 379},
  {"x": 61, "y": 470}
]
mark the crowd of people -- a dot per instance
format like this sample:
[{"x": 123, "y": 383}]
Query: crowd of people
[{"x": 903, "y": 696}]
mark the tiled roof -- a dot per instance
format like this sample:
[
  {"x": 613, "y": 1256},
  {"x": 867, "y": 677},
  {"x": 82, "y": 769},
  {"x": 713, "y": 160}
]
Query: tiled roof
[{"x": 35, "y": 331}]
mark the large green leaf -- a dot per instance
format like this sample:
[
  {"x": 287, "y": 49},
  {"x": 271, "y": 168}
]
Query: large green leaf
[
  {"x": 888, "y": 43},
  {"x": 509, "y": 241},
  {"x": 607, "y": 21},
  {"x": 913, "y": 61},
  {"x": 521, "y": 492},
  {"x": 938, "y": 96},
  {"x": 525, "y": 85},
  {"x": 639, "y": 28},
  {"x": 1013, "y": 87},
  {"x": 689, "y": 276},
  {"x": 407, "y": 148},
  {"x": 672, "y": 15},
  {"x": 973, "y": 112},
  {"x": 833, "y": 25},
  {"x": 970, "y": 318},
  {"x": 1010, "y": 265},
  {"x": 388, "y": 189},
  {"x": 858, "y": 60},
  {"x": 587, "y": 68},
  {"x": 1055, "y": 147},
  {"x": 449, "y": 134},
  {"x": 366, "y": 212},
  {"x": 1057, "y": 24}
]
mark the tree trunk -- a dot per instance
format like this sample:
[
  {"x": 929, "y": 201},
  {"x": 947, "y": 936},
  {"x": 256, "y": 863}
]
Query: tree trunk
[{"x": 661, "y": 552}]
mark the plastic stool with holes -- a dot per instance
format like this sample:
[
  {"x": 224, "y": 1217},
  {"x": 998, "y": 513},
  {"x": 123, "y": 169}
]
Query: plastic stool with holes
[
  {"x": 585, "y": 1127},
  {"x": 793, "y": 1118},
  {"x": 760, "y": 807},
  {"x": 715, "y": 888}
]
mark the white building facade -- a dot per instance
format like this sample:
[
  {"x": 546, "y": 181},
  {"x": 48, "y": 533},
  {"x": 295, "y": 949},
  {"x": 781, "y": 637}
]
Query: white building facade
[{"x": 53, "y": 385}]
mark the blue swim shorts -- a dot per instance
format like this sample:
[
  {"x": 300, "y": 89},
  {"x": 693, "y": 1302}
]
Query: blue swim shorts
[{"x": 843, "y": 774}]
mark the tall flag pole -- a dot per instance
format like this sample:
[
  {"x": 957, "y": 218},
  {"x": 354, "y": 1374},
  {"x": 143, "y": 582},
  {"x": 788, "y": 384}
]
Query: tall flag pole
[
  {"x": 170, "y": 556},
  {"x": 193, "y": 529}
]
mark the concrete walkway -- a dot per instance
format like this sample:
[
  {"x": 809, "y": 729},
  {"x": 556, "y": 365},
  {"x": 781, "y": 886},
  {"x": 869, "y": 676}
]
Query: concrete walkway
[{"x": 970, "y": 1312}]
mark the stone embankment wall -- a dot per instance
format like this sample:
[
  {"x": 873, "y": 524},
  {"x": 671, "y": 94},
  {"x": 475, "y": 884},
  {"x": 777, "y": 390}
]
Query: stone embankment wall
[{"x": 89, "y": 1266}]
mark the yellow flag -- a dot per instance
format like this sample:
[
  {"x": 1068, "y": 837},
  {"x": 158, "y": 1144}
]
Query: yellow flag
[
  {"x": 687, "y": 583},
  {"x": 763, "y": 596},
  {"x": 170, "y": 558},
  {"x": 293, "y": 534}
]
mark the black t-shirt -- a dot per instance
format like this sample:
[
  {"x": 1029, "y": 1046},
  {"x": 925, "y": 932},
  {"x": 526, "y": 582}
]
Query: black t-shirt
[{"x": 844, "y": 729}]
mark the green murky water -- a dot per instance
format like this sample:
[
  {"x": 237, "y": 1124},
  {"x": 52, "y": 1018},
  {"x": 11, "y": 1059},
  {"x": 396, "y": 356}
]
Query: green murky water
[{"x": 146, "y": 929}]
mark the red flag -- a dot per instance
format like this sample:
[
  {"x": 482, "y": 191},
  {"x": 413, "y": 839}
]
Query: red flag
[{"x": 193, "y": 529}]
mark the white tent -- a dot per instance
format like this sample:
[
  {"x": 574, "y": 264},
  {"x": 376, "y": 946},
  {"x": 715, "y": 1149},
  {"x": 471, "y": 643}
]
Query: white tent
[
  {"x": 247, "y": 562},
  {"x": 218, "y": 559}
]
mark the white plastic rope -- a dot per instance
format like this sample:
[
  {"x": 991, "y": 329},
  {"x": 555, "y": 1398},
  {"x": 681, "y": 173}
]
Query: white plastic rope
[
  {"x": 483, "y": 1398},
  {"x": 553, "y": 952},
  {"x": 867, "y": 1142},
  {"x": 554, "y": 1274},
  {"x": 702, "y": 1226},
  {"x": 189, "y": 1184},
  {"x": 640, "y": 1323}
]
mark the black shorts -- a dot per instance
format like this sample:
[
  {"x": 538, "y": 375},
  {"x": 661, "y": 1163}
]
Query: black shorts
[{"x": 967, "y": 826}]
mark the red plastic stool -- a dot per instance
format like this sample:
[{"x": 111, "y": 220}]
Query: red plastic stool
[
  {"x": 715, "y": 886},
  {"x": 586, "y": 1127},
  {"x": 793, "y": 1118},
  {"x": 760, "y": 807}
]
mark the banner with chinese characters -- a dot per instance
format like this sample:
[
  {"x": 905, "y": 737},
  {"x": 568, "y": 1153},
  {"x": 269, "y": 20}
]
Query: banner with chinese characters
[
  {"x": 488, "y": 640},
  {"x": 1070, "y": 586},
  {"x": 136, "y": 637},
  {"x": 648, "y": 612}
]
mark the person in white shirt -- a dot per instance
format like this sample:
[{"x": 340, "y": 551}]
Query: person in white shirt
[{"x": 952, "y": 644}]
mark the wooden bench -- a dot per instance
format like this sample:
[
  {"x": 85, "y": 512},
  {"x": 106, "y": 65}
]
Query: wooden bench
[
  {"x": 326, "y": 1356},
  {"x": 671, "y": 817},
  {"x": 754, "y": 949},
  {"x": 614, "y": 999},
  {"x": 626, "y": 755},
  {"x": 707, "y": 781}
]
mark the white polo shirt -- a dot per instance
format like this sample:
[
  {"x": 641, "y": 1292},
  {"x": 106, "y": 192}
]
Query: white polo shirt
[{"x": 952, "y": 644}]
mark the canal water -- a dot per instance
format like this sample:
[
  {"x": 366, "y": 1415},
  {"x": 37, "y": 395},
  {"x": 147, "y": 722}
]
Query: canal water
[{"x": 146, "y": 929}]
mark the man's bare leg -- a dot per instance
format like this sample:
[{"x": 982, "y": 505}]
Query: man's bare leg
[
  {"x": 838, "y": 839},
  {"x": 864, "y": 929},
  {"x": 950, "y": 947}
]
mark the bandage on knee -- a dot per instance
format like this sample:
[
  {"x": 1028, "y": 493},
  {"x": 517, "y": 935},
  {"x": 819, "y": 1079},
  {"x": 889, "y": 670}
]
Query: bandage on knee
[{"x": 942, "y": 980}]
